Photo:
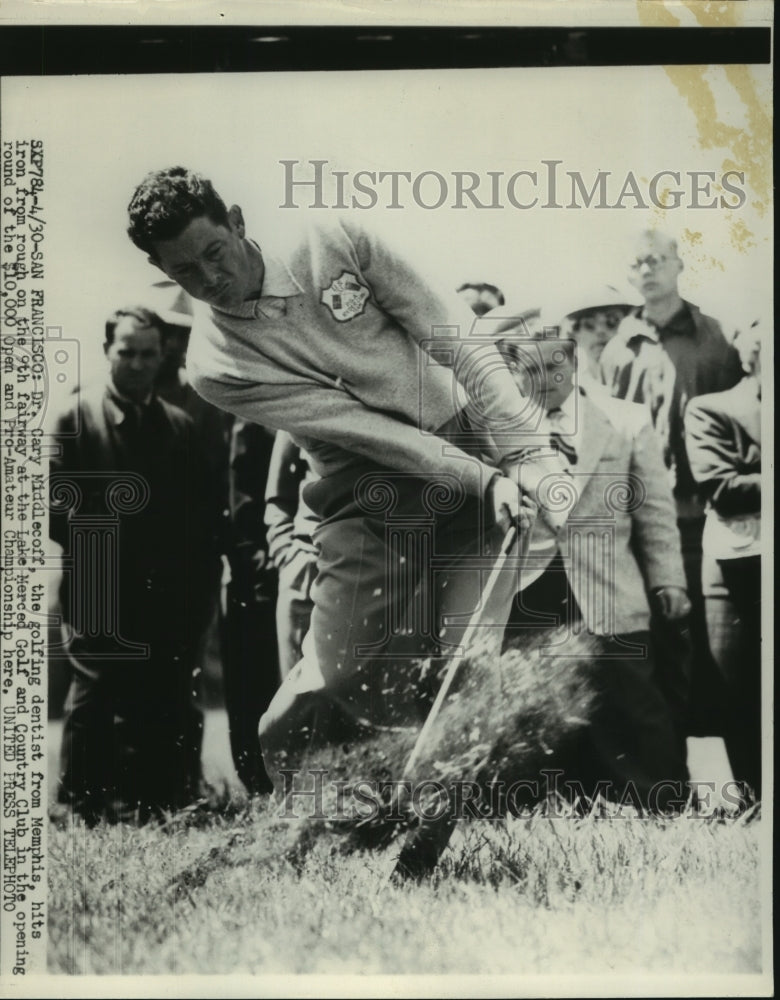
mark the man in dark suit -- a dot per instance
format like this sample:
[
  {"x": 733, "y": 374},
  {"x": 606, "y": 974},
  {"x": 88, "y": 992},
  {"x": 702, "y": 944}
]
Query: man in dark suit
[
  {"x": 237, "y": 454},
  {"x": 723, "y": 437},
  {"x": 250, "y": 662},
  {"x": 126, "y": 507},
  {"x": 617, "y": 555}
]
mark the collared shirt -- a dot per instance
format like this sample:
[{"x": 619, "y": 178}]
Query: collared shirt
[
  {"x": 566, "y": 421},
  {"x": 123, "y": 404},
  {"x": 278, "y": 286}
]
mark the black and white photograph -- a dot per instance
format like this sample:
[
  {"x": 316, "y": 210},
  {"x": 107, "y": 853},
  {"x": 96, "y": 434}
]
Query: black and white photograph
[{"x": 386, "y": 604}]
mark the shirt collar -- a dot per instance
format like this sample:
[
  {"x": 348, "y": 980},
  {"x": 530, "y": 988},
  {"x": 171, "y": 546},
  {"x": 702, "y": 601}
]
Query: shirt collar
[
  {"x": 120, "y": 404},
  {"x": 278, "y": 286},
  {"x": 680, "y": 322},
  {"x": 569, "y": 405},
  {"x": 635, "y": 327},
  {"x": 566, "y": 419}
]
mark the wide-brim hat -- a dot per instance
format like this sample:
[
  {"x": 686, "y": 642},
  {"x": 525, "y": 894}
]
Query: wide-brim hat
[
  {"x": 575, "y": 304},
  {"x": 507, "y": 319}
]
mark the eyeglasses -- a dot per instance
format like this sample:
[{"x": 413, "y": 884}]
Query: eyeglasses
[{"x": 651, "y": 260}]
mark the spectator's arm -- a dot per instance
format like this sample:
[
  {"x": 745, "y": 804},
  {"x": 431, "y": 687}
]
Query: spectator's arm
[
  {"x": 714, "y": 461},
  {"x": 250, "y": 451},
  {"x": 655, "y": 539},
  {"x": 281, "y": 496}
]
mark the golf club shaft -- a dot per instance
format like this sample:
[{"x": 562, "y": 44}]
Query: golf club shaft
[
  {"x": 510, "y": 538},
  {"x": 506, "y": 548}
]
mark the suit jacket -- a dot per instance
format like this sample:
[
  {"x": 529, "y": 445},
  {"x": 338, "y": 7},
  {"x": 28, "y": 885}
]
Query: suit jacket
[
  {"x": 621, "y": 539},
  {"x": 723, "y": 438},
  {"x": 127, "y": 506},
  {"x": 211, "y": 435},
  {"x": 290, "y": 522}
]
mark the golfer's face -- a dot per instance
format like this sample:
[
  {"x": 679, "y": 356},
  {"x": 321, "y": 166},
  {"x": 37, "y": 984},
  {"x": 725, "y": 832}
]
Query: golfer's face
[{"x": 211, "y": 262}]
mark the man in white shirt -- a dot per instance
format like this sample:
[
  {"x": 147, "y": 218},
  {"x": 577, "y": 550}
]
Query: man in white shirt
[{"x": 618, "y": 554}]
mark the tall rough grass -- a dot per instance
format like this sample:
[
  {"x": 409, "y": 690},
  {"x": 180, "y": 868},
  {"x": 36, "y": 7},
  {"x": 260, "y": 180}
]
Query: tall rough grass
[
  {"x": 530, "y": 895},
  {"x": 228, "y": 890}
]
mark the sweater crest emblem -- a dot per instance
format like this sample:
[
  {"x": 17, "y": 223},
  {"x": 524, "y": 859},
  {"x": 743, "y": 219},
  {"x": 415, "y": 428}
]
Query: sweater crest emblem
[{"x": 345, "y": 297}]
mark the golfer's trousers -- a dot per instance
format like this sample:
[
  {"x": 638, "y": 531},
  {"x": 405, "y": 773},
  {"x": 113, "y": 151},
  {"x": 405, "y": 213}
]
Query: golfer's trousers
[{"x": 402, "y": 565}]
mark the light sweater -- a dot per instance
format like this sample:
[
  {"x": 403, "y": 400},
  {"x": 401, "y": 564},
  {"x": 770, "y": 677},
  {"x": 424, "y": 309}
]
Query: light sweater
[{"x": 353, "y": 352}]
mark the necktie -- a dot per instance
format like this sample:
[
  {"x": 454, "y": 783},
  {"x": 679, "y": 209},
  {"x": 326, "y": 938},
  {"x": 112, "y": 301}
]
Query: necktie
[
  {"x": 146, "y": 422},
  {"x": 560, "y": 441},
  {"x": 132, "y": 419},
  {"x": 139, "y": 422}
]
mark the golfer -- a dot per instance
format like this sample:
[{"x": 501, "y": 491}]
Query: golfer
[{"x": 408, "y": 420}]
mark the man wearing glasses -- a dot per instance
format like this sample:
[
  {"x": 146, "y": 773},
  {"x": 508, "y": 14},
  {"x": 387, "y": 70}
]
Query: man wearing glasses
[{"x": 665, "y": 353}]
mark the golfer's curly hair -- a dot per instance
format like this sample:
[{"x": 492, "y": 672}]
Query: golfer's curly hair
[{"x": 166, "y": 201}]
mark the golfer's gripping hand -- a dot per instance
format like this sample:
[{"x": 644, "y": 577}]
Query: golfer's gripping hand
[{"x": 510, "y": 506}]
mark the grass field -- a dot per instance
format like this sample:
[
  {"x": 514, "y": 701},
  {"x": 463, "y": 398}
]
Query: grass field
[{"x": 527, "y": 896}]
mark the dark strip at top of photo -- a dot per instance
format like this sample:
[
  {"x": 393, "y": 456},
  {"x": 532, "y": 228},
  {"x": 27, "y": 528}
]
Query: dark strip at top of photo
[{"x": 63, "y": 50}]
